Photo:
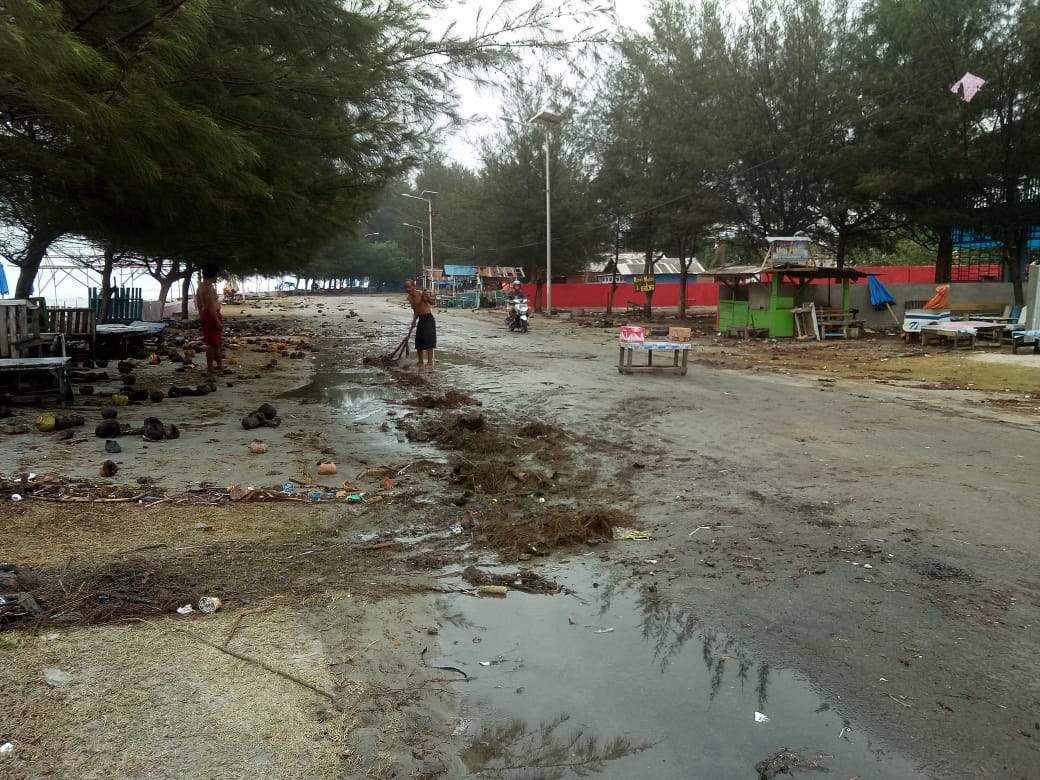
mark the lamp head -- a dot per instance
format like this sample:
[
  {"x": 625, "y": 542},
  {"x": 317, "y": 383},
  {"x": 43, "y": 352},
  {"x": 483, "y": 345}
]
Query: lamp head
[{"x": 547, "y": 119}]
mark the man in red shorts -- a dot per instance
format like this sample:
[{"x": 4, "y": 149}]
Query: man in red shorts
[{"x": 208, "y": 303}]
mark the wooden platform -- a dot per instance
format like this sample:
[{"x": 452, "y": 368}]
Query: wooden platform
[{"x": 680, "y": 351}]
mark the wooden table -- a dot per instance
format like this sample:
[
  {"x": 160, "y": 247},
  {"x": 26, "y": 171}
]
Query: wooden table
[
  {"x": 680, "y": 352},
  {"x": 114, "y": 340},
  {"x": 23, "y": 368}
]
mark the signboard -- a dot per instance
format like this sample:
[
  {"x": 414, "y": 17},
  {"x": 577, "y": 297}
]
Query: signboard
[
  {"x": 790, "y": 250},
  {"x": 644, "y": 283}
]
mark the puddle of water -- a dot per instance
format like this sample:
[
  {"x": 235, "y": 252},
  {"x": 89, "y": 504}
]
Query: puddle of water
[
  {"x": 627, "y": 684},
  {"x": 354, "y": 390}
]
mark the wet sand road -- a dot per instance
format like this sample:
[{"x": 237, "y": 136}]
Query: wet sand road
[{"x": 876, "y": 540}]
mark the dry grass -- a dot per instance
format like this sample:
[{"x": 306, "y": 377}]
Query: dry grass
[
  {"x": 243, "y": 718},
  {"x": 540, "y": 533}
]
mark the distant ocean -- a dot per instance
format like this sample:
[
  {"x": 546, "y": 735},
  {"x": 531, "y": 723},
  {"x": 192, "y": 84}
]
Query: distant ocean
[{"x": 69, "y": 287}]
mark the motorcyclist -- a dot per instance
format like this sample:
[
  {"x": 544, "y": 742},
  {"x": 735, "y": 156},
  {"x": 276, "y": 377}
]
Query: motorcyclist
[{"x": 515, "y": 295}]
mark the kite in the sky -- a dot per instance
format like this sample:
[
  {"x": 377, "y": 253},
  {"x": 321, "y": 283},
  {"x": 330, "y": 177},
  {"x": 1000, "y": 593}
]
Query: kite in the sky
[{"x": 969, "y": 86}]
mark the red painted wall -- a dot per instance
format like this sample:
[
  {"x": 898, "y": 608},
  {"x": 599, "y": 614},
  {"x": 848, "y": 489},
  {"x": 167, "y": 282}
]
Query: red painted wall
[{"x": 594, "y": 296}]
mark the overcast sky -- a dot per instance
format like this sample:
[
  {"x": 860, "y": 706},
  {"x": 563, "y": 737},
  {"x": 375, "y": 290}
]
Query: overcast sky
[{"x": 485, "y": 104}]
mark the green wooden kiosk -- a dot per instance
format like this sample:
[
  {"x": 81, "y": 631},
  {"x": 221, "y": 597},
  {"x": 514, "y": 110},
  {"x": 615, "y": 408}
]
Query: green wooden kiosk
[{"x": 758, "y": 299}]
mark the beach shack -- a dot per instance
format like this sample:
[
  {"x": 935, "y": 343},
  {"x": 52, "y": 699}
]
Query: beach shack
[{"x": 793, "y": 280}]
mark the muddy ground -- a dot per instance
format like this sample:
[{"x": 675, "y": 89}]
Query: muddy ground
[{"x": 861, "y": 512}]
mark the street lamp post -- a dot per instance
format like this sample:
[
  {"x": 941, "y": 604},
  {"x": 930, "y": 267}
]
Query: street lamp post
[
  {"x": 548, "y": 120},
  {"x": 429, "y": 210},
  {"x": 422, "y": 242}
]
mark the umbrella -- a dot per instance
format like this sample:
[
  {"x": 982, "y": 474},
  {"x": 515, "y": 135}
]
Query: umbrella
[
  {"x": 880, "y": 297},
  {"x": 4, "y": 289}
]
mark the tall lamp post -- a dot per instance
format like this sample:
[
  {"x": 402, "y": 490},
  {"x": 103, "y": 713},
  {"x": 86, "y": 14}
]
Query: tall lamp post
[
  {"x": 548, "y": 120},
  {"x": 427, "y": 196},
  {"x": 422, "y": 243}
]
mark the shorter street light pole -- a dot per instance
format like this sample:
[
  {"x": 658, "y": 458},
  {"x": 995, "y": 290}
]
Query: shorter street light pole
[
  {"x": 427, "y": 196},
  {"x": 548, "y": 120}
]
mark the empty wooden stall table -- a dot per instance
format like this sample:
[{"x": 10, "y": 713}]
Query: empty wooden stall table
[
  {"x": 115, "y": 340},
  {"x": 960, "y": 332},
  {"x": 680, "y": 351}
]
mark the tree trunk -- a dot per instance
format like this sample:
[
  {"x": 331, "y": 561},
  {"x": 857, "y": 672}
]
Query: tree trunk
[
  {"x": 167, "y": 280},
  {"x": 944, "y": 256},
  {"x": 1016, "y": 257},
  {"x": 841, "y": 248},
  {"x": 167, "y": 273},
  {"x": 29, "y": 267},
  {"x": 185, "y": 293}
]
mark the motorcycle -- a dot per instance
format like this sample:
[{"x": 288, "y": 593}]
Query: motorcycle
[{"x": 517, "y": 316}]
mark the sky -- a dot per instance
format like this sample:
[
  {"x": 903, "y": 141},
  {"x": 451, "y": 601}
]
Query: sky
[{"x": 484, "y": 105}]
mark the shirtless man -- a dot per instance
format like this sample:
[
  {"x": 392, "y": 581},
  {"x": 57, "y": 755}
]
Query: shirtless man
[
  {"x": 208, "y": 303},
  {"x": 423, "y": 322}
]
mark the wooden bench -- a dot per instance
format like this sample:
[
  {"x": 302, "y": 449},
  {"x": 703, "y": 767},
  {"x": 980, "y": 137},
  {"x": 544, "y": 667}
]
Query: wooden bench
[
  {"x": 836, "y": 322},
  {"x": 75, "y": 324},
  {"x": 19, "y": 328}
]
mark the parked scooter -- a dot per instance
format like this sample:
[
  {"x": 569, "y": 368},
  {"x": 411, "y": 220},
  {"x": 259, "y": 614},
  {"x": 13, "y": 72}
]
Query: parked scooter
[{"x": 517, "y": 314}]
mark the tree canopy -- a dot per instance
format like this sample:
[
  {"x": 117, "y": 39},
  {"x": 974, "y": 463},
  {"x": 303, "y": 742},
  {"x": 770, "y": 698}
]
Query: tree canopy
[{"x": 270, "y": 135}]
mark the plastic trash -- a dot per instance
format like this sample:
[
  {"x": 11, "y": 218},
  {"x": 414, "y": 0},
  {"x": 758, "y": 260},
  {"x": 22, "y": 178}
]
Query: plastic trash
[
  {"x": 631, "y": 534},
  {"x": 209, "y": 604},
  {"x": 187, "y": 609},
  {"x": 7, "y": 747},
  {"x": 56, "y": 678},
  {"x": 492, "y": 590},
  {"x": 760, "y": 718}
]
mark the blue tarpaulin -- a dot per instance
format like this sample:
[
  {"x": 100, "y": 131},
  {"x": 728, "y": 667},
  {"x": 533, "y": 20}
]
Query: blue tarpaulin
[{"x": 4, "y": 289}]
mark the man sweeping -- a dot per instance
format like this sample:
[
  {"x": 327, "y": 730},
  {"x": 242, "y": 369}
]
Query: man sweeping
[{"x": 422, "y": 320}]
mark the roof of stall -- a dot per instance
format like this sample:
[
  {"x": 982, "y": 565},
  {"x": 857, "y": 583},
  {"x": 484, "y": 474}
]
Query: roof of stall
[{"x": 737, "y": 273}]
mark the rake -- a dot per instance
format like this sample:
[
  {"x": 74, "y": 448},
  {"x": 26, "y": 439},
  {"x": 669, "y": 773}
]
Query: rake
[{"x": 402, "y": 349}]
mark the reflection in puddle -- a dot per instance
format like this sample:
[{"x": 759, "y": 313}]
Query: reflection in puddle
[
  {"x": 511, "y": 747},
  {"x": 626, "y": 683}
]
